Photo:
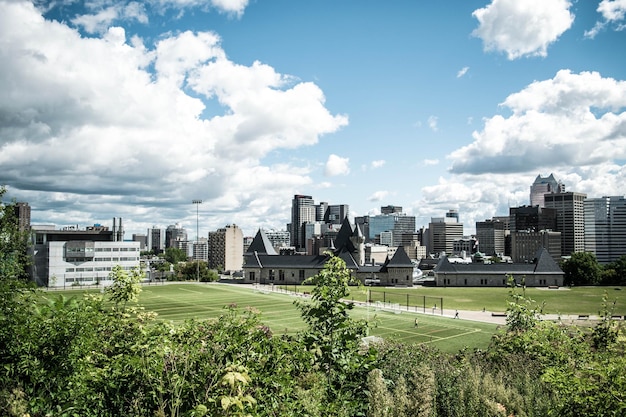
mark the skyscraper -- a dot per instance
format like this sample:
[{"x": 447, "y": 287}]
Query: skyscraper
[
  {"x": 226, "y": 248},
  {"x": 303, "y": 211},
  {"x": 22, "y": 213},
  {"x": 441, "y": 235},
  {"x": 156, "y": 239},
  {"x": 174, "y": 233},
  {"x": 490, "y": 235},
  {"x": 605, "y": 227},
  {"x": 542, "y": 186},
  {"x": 570, "y": 219}
]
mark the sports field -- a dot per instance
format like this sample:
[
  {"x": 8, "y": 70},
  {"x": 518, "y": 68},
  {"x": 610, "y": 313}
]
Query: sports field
[{"x": 178, "y": 302}]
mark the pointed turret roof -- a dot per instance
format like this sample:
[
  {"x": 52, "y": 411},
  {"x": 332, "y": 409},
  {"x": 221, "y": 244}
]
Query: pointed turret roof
[
  {"x": 343, "y": 237},
  {"x": 261, "y": 244}
]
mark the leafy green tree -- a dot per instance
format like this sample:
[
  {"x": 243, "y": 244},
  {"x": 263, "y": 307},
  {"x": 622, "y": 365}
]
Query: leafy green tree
[
  {"x": 189, "y": 271},
  {"x": 582, "y": 269},
  {"x": 335, "y": 337},
  {"x": 126, "y": 286},
  {"x": 14, "y": 258},
  {"x": 175, "y": 255},
  {"x": 615, "y": 272}
]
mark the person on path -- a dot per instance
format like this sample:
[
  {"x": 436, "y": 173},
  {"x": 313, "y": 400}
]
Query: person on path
[
  {"x": 456, "y": 314},
  {"x": 416, "y": 323}
]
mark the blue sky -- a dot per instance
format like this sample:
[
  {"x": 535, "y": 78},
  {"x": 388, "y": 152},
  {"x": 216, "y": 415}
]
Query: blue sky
[{"x": 133, "y": 109}]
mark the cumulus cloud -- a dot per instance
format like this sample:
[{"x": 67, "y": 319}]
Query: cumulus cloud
[
  {"x": 613, "y": 13},
  {"x": 522, "y": 28},
  {"x": 105, "y": 121},
  {"x": 100, "y": 20},
  {"x": 378, "y": 163},
  {"x": 336, "y": 165},
  {"x": 569, "y": 120},
  {"x": 462, "y": 72}
]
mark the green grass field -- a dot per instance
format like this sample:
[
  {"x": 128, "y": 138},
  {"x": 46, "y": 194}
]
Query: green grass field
[
  {"x": 178, "y": 302},
  {"x": 577, "y": 300}
]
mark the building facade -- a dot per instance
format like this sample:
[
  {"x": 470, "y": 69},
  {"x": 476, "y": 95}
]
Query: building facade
[
  {"x": 542, "y": 186},
  {"x": 570, "y": 220},
  {"x": 73, "y": 256},
  {"x": 605, "y": 227},
  {"x": 441, "y": 235},
  {"x": 490, "y": 235},
  {"x": 226, "y": 248},
  {"x": 155, "y": 240},
  {"x": 303, "y": 211}
]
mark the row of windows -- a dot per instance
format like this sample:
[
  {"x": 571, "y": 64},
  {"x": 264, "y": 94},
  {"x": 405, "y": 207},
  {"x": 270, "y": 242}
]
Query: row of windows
[
  {"x": 97, "y": 269},
  {"x": 117, "y": 250},
  {"x": 123, "y": 258}
]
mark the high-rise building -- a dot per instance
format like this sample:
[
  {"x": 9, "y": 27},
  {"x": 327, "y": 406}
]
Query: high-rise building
[
  {"x": 142, "y": 239},
  {"x": 441, "y": 235},
  {"x": 570, "y": 219},
  {"x": 605, "y": 227},
  {"x": 22, "y": 213},
  {"x": 398, "y": 224},
  {"x": 174, "y": 233},
  {"x": 491, "y": 237},
  {"x": 200, "y": 249},
  {"x": 335, "y": 213},
  {"x": 226, "y": 248},
  {"x": 542, "y": 186},
  {"x": 534, "y": 218},
  {"x": 526, "y": 243},
  {"x": 303, "y": 211},
  {"x": 156, "y": 240},
  {"x": 453, "y": 214}
]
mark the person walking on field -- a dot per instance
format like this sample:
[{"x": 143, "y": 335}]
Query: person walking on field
[
  {"x": 416, "y": 323},
  {"x": 456, "y": 314}
]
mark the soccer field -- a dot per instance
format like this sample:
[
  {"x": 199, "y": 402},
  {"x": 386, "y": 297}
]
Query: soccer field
[{"x": 178, "y": 302}]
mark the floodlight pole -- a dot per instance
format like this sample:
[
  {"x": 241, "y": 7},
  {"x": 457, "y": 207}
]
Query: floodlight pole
[{"x": 197, "y": 203}]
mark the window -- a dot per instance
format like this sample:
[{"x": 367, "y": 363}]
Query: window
[
  {"x": 301, "y": 274},
  {"x": 272, "y": 275},
  {"x": 281, "y": 275},
  {"x": 251, "y": 276}
]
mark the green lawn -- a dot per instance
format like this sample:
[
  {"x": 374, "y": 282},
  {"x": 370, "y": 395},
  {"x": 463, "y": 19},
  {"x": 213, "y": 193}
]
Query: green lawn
[
  {"x": 178, "y": 302},
  {"x": 577, "y": 300}
]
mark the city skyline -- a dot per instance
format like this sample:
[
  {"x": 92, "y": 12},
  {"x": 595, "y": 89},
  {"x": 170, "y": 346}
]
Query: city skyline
[{"x": 134, "y": 110}]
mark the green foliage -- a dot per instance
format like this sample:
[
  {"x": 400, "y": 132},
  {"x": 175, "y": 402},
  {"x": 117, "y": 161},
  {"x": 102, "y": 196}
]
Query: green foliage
[
  {"x": 190, "y": 271},
  {"x": 14, "y": 258},
  {"x": 126, "y": 286},
  {"x": 521, "y": 313},
  {"x": 615, "y": 272},
  {"x": 582, "y": 269},
  {"x": 175, "y": 255},
  {"x": 335, "y": 338}
]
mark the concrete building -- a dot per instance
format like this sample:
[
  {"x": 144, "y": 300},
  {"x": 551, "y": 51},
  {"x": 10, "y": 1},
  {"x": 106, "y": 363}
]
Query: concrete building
[
  {"x": 142, "y": 239},
  {"x": 605, "y": 227},
  {"x": 543, "y": 272},
  {"x": 262, "y": 265},
  {"x": 174, "y": 233},
  {"x": 199, "y": 249},
  {"x": 156, "y": 240},
  {"x": 542, "y": 186},
  {"x": 490, "y": 235},
  {"x": 442, "y": 232},
  {"x": 303, "y": 211},
  {"x": 526, "y": 243},
  {"x": 570, "y": 219},
  {"x": 226, "y": 248},
  {"x": 22, "y": 214},
  {"x": 532, "y": 218},
  {"x": 73, "y": 256}
]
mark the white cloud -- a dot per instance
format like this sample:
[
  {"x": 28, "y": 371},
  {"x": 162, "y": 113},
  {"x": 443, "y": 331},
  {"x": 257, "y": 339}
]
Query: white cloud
[
  {"x": 462, "y": 72},
  {"x": 378, "y": 196},
  {"x": 570, "y": 120},
  {"x": 430, "y": 162},
  {"x": 522, "y": 28},
  {"x": 432, "y": 123},
  {"x": 613, "y": 13},
  {"x": 378, "y": 163},
  {"x": 86, "y": 118},
  {"x": 231, "y": 7},
  {"x": 336, "y": 165},
  {"x": 101, "y": 20}
]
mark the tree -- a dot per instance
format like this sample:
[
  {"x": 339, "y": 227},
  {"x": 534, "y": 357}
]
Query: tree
[
  {"x": 336, "y": 338},
  {"x": 582, "y": 269},
  {"x": 125, "y": 286},
  {"x": 175, "y": 255},
  {"x": 190, "y": 271},
  {"x": 14, "y": 259},
  {"x": 615, "y": 272}
]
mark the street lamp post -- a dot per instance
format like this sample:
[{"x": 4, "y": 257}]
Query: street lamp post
[{"x": 197, "y": 203}]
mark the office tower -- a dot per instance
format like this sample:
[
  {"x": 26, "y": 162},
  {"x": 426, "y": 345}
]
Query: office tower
[
  {"x": 397, "y": 224},
  {"x": 441, "y": 235},
  {"x": 142, "y": 239},
  {"x": 544, "y": 185},
  {"x": 390, "y": 209},
  {"x": 278, "y": 238},
  {"x": 226, "y": 248},
  {"x": 302, "y": 211},
  {"x": 605, "y": 227},
  {"x": 174, "y": 233},
  {"x": 335, "y": 213},
  {"x": 490, "y": 235},
  {"x": 156, "y": 240},
  {"x": 363, "y": 222},
  {"x": 570, "y": 219},
  {"x": 22, "y": 214},
  {"x": 534, "y": 218},
  {"x": 200, "y": 249},
  {"x": 320, "y": 211}
]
